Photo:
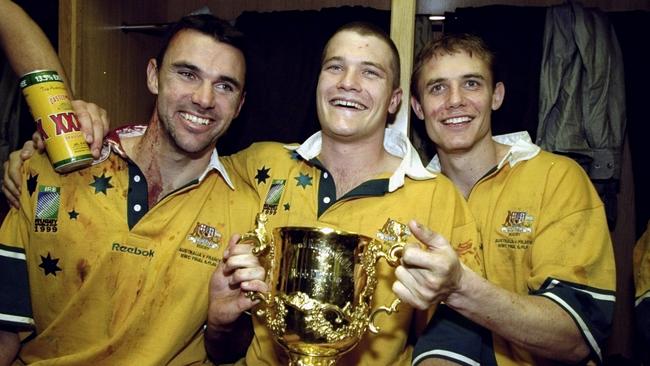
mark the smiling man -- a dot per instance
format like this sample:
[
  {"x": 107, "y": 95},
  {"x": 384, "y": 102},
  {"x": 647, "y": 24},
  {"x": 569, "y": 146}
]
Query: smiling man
[
  {"x": 549, "y": 263},
  {"x": 110, "y": 265},
  {"x": 355, "y": 174}
]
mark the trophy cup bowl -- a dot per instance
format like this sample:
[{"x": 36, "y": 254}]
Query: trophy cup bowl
[{"x": 321, "y": 286}]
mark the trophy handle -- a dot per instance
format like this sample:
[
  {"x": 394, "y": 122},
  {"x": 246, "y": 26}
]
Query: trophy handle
[
  {"x": 393, "y": 254},
  {"x": 254, "y": 295},
  {"x": 258, "y": 236},
  {"x": 388, "y": 309},
  {"x": 390, "y": 246},
  {"x": 261, "y": 248}
]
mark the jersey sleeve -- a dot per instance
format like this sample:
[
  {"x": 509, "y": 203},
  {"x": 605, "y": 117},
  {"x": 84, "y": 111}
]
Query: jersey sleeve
[
  {"x": 15, "y": 302},
  {"x": 453, "y": 337},
  {"x": 572, "y": 261}
]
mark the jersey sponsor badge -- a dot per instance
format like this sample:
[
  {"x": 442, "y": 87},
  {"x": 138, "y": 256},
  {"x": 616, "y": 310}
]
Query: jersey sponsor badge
[
  {"x": 47, "y": 209},
  {"x": 273, "y": 197},
  {"x": 517, "y": 222},
  {"x": 205, "y": 236}
]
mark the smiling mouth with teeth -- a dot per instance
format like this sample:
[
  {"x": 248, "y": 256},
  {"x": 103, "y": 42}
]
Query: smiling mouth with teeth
[
  {"x": 456, "y": 120},
  {"x": 348, "y": 104},
  {"x": 194, "y": 119}
]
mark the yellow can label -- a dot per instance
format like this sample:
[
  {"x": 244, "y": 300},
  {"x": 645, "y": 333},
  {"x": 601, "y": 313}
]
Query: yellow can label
[{"x": 50, "y": 106}]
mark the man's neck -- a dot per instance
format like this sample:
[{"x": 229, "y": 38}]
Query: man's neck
[
  {"x": 165, "y": 168},
  {"x": 466, "y": 168},
  {"x": 354, "y": 163}
]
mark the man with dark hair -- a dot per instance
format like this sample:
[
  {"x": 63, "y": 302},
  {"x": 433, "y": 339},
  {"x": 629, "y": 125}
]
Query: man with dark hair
[
  {"x": 352, "y": 176},
  {"x": 110, "y": 265},
  {"x": 549, "y": 293}
]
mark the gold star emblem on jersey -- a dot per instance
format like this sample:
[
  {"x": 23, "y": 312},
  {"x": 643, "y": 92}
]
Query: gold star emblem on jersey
[{"x": 205, "y": 236}]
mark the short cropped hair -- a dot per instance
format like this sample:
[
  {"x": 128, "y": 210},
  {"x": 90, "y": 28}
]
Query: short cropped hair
[
  {"x": 369, "y": 29},
  {"x": 450, "y": 44},
  {"x": 206, "y": 24}
]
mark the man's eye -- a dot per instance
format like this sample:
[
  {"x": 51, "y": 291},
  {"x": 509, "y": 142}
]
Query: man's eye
[
  {"x": 225, "y": 87},
  {"x": 187, "y": 75},
  {"x": 372, "y": 73},
  {"x": 472, "y": 83},
  {"x": 436, "y": 88},
  {"x": 333, "y": 67}
]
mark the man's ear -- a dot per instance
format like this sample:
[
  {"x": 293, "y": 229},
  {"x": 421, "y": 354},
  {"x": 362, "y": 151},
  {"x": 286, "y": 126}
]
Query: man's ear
[
  {"x": 417, "y": 107},
  {"x": 395, "y": 100},
  {"x": 152, "y": 76},
  {"x": 498, "y": 95}
]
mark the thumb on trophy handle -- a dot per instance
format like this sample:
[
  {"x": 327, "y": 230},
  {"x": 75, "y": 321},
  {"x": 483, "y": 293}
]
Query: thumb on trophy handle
[{"x": 393, "y": 308}]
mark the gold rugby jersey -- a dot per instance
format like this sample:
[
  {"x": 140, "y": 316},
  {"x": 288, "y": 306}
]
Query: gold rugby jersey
[
  {"x": 111, "y": 280},
  {"x": 299, "y": 191},
  {"x": 544, "y": 233}
]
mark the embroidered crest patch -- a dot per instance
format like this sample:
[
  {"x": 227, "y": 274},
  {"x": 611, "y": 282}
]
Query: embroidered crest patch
[
  {"x": 205, "y": 236},
  {"x": 47, "y": 209},
  {"x": 517, "y": 222}
]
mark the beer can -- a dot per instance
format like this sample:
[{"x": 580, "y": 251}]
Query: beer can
[{"x": 50, "y": 106}]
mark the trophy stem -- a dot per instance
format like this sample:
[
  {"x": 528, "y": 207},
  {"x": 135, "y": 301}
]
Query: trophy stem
[{"x": 297, "y": 359}]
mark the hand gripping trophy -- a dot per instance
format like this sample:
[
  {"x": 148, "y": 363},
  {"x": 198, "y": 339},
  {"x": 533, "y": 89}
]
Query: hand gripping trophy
[{"x": 322, "y": 282}]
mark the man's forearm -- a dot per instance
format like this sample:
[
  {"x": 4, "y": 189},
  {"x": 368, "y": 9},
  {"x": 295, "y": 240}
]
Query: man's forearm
[
  {"x": 9, "y": 346},
  {"x": 229, "y": 344},
  {"x": 24, "y": 43},
  {"x": 532, "y": 322}
]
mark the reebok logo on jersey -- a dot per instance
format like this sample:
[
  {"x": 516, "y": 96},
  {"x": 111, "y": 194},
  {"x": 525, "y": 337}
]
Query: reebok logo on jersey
[{"x": 117, "y": 247}]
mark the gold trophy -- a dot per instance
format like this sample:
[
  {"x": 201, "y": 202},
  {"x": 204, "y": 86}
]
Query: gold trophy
[{"x": 321, "y": 286}]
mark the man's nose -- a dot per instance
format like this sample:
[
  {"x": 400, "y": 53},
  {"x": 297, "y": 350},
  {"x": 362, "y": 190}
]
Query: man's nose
[
  {"x": 349, "y": 80},
  {"x": 203, "y": 95}
]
